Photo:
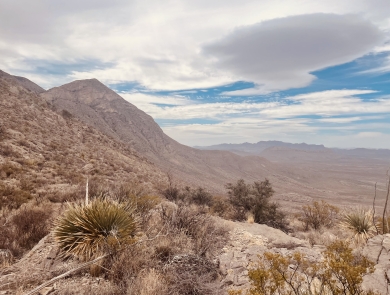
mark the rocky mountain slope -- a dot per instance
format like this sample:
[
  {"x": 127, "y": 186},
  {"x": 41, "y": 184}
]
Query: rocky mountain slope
[
  {"x": 103, "y": 109},
  {"x": 44, "y": 151}
]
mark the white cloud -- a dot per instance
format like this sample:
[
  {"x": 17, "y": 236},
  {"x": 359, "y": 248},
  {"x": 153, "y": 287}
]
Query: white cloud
[
  {"x": 155, "y": 43},
  {"x": 298, "y": 118},
  {"x": 280, "y": 54},
  {"x": 325, "y": 103}
]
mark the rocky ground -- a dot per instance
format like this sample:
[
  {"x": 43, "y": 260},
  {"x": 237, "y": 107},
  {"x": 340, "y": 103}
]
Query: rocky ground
[{"x": 247, "y": 241}]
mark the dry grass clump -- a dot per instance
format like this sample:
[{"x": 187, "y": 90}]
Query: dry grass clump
[
  {"x": 360, "y": 223},
  {"x": 148, "y": 282}
]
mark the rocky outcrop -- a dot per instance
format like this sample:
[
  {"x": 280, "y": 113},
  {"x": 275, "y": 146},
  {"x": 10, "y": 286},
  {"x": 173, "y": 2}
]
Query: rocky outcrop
[
  {"x": 43, "y": 263},
  {"x": 378, "y": 251},
  {"x": 247, "y": 242}
]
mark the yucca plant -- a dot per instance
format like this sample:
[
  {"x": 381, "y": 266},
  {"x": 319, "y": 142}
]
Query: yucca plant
[
  {"x": 360, "y": 222},
  {"x": 100, "y": 227}
]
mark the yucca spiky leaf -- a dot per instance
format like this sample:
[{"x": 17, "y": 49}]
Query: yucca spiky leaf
[
  {"x": 360, "y": 222},
  {"x": 86, "y": 231}
]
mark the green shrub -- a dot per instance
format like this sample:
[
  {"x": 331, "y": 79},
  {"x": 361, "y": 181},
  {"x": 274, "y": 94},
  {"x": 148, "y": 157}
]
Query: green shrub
[
  {"x": 255, "y": 199},
  {"x": 318, "y": 214},
  {"x": 340, "y": 272},
  {"x": 102, "y": 226},
  {"x": 201, "y": 197}
]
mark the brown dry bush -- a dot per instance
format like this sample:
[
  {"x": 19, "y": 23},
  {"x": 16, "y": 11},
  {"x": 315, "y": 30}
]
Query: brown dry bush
[
  {"x": 7, "y": 151},
  {"x": 221, "y": 207},
  {"x": 191, "y": 275},
  {"x": 319, "y": 214},
  {"x": 7, "y": 169},
  {"x": 206, "y": 235},
  {"x": 12, "y": 197},
  {"x": 24, "y": 229},
  {"x": 31, "y": 225},
  {"x": 148, "y": 282},
  {"x": 3, "y": 133},
  {"x": 129, "y": 263}
]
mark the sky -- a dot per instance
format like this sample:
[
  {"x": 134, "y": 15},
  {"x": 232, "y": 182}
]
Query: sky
[{"x": 214, "y": 71}]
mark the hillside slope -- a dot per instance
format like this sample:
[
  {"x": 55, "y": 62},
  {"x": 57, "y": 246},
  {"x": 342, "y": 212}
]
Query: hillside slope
[
  {"x": 45, "y": 152},
  {"x": 103, "y": 109}
]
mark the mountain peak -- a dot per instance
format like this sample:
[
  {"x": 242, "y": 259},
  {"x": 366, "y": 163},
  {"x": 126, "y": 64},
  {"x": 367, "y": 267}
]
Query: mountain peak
[{"x": 87, "y": 91}]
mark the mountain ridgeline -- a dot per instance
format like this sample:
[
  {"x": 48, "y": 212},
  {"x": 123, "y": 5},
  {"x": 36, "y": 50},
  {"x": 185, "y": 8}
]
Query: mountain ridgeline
[{"x": 298, "y": 172}]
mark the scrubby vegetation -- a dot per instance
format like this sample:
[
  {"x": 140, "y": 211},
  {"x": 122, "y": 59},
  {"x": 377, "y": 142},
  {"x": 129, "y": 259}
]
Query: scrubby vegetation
[
  {"x": 341, "y": 272},
  {"x": 318, "y": 215},
  {"x": 22, "y": 230},
  {"x": 255, "y": 199}
]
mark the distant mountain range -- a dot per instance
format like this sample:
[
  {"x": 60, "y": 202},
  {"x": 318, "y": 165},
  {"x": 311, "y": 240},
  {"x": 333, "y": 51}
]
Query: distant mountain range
[{"x": 276, "y": 151}]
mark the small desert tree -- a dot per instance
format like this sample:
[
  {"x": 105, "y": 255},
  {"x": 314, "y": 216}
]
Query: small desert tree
[{"x": 255, "y": 199}]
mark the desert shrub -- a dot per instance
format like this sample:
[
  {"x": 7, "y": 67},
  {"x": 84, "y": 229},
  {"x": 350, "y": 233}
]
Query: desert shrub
[
  {"x": 221, "y": 206},
  {"x": 171, "y": 192},
  {"x": 7, "y": 151},
  {"x": 318, "y": 214},
  {"x": 340, "y": 272},
  {"x": 3, "y": 133},
  {"x": 31, "y": 225},
  {"x": 12, "y": 197},
  {"x": 126, "y": 266},
  {"x": 360, "y": 223},
  {"x": 254, "y": 199},
  {"x": 67, "y": 196},
  {"x": 25, "y": 229},
  {"x": 199, "y": 196},
  {"x": 206, "y": 235},
  {"x": 100, "y": 227},
  {"x": 9, "y": 169},
  {"x": 66, "y": 114},
  {"x": 191, "y": 275}
]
